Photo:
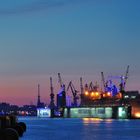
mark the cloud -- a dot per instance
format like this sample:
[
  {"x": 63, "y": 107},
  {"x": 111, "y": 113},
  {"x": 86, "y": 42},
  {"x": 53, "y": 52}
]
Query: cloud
[
  {"x": 26, "y": 8},
  {"x": 35, "y": 6},
  {"x": 38, "y": 5}
]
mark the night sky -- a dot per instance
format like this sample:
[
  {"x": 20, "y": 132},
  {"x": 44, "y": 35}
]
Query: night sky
[{"x": 39, "y": 38}]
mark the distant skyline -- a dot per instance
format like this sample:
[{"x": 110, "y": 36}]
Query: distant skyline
[{"x": 39, "y": 38}]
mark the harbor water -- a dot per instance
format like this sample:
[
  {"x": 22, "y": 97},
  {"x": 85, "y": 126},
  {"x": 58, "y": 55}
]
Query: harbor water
[{"x": 80, "y": 129}]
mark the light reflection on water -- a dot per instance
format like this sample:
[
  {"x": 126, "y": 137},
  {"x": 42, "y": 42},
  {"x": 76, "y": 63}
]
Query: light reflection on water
[
  {"x": 80, "y": 129},
  {"x": 87, "y": 121}
]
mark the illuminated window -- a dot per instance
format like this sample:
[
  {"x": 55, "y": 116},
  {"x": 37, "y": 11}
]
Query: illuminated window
[
  {"x": 126, "y": 96},
  {"x": 122, "y": 112},
  {"x": 133, "y": 97}
]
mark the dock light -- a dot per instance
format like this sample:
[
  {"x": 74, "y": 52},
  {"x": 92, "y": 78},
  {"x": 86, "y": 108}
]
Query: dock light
[
  {"x": 104, "y": 95},
  {"x": 97, "y": 94},
  {"x": 92, "y": 94},
  {"x": 119, "y": 95},
  {"x": 86, "y": 93},
  {"x": 137, "y": 115},
  {"x": 108, "y": 94}
]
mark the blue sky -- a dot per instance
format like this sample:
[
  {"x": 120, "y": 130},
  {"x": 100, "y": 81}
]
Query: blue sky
[{"x": 39, "y": 38}]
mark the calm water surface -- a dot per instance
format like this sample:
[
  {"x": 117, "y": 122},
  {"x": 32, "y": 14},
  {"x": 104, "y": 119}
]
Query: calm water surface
[{"x": 80, "y": 129}]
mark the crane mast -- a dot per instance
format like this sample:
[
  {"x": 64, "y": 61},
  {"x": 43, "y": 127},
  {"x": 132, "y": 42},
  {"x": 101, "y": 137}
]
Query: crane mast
[
  {"x": 82, "y": 90},
  {"x": 52, "y": 105},
  {"x": 124, "y": 80},
  {"x": 60, "y": 80},
  {"x": 38, "y": 100},
  {"x": 81, "y": 85},
  {"x": 74, "y": 92},
  {"x": 51, "y": 86},
  {"x": 103, "y": 81},
  {"x": 126, "y": 75}
]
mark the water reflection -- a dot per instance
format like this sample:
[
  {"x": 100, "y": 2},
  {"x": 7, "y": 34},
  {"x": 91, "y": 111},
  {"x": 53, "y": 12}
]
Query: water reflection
[
  {"x": 81, "y": 129},
  {"x": 87, "y": 121},
  {"x": 108, "y": 120},
  {"x": 91, "y": 120}
]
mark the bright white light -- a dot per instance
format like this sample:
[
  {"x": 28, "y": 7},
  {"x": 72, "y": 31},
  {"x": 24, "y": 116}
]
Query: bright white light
[{"x": 43, "y": 112}]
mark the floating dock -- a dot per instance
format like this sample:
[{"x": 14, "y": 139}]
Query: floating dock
[{"x": 114, "y": 112}]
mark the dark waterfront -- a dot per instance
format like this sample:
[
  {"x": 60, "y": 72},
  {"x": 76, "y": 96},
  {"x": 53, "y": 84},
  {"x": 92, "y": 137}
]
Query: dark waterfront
[{"x": 80, "y": 129}]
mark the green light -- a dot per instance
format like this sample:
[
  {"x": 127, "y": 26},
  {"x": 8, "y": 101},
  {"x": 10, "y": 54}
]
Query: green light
[{"x": 122, "y": 112}]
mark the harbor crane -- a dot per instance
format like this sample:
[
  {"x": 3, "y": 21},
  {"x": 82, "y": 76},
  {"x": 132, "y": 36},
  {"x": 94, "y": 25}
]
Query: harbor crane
[
  {"x": 81, "y": 85},
  {"x": 103, "y": 81},
  {"x": 60, "y": 80},
  {"x": 82, "y": 90},
  {"x": 51, "y": 86},
  {"x": 62, "y": 85},
  {"x": 74, "y": 92},
  {"x": 91, "y": 87},
  {"x": 52, "y": 105},
  {"x": 126, "y": 76},
  {"x": 124, "y": 80}
]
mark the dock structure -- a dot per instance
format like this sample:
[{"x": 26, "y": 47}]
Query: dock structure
[
  {"x": 108, "y": 112},
  {"x": 97, "y": 101}
]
